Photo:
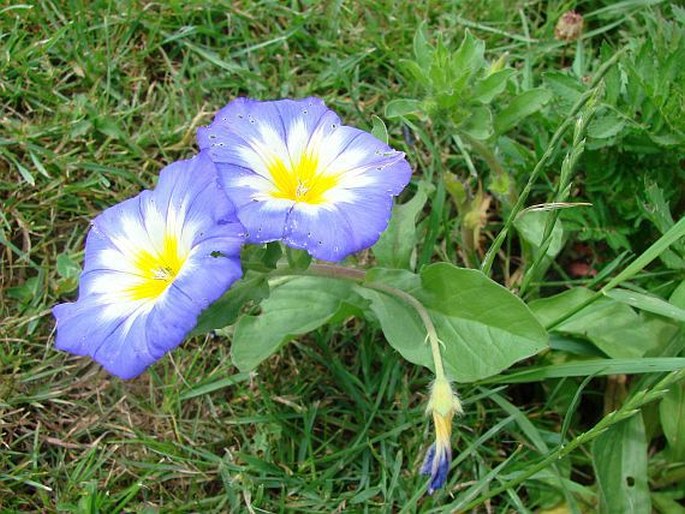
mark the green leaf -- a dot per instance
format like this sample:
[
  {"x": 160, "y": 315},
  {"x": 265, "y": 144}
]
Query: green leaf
[
  {"x": 648, "y": 303},
  {"x": 261, "y": 258},
  {"x": 596, "y": 367},
  {"x": 673, "y": 235},
  {"x": 484, "y": 327},
  {"x": 479, "y": 124},
  {"x": 531, "y": 226},
  {"x": 69, "y": 270},
  {"x": 493, "y": 85},
  {"x": 606, "y": 127},
  {"x": 403, "y": 107},
  {"x": 468, "y": 58},
  {"x": 214, "y": 384},
  {"x": 521, "y": 107},
  {"x": 298, "y": 259},
  {"x": 678, "y": 295},
  {"x": 414, "y": 72},
  {"x": 108, "y": 126},
  {"x": 620, "y": 459},
  {"x": 657, "y": 210},
  {"x": 379, "y": 130},
  {"x": 400, "y": 323},
  {"x": 298, "y": 306},
  {"x": 612, "y": 326},
  {"x": 251, "y": 288},
  {"x": 395, "y": 246},
  {"x": 672, "y": 414},
  {"x": 667, "y": 502},
  {"x": 423, "y": 51},
  {"x": 612, "y": 79},
  {"x": 67, "y": 267}
]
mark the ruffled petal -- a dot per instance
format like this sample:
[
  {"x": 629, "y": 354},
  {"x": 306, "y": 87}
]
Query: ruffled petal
[
  {"x": 333, "y": 233},
  {"x": 117, "y": 343},
  {"x": 152, "y": 264},
  {"x": 296, "y": 174}
]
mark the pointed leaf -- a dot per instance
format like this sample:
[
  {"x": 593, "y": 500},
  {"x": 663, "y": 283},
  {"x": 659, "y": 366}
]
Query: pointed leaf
[
  {"x": 401, "y": 107},
  {"x": 606, "y": 126},
  {"x": 613, "y": 327},
  {"x": 296, "y": 307},
  {"x": 379, "y": 130},
  {"x": 483, "y": 327},
  {"x": 469, "y": 56},
  {"x": 486, "y": 90},
  {"x": 251, "y": 288},
  {"x": 648, "y": 303},
  {"x": 672, "y": 413},
  {"x": 521, "y": 107},
  {"x": 531, "y": 226},
  {"x": 423, "y": 51},
  {"x": 479, "y": 124},
  {"x": 567, "y": 89},
  {"x": 620, "y": 460},
  {"x": 396, "y": 244}
]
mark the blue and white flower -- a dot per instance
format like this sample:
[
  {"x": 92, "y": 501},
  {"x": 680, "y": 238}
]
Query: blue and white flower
[
  {"x": 152, "y": 264},
  {"x": 296, "y": 174}
]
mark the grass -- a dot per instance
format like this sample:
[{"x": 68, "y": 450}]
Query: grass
[{"x": 96, "y": 99}]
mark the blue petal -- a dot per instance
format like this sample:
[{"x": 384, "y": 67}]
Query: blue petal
[
  {"x": 437, "y": 466},
  {"x": 116, "y": 343},
  {"x": 243, "y": 120},
  {"x": 387, "y": 168},
  {"x": 427, "y": 466},
  {"x": 264, "y": 221},
  {"x": 332, "y": 234}
]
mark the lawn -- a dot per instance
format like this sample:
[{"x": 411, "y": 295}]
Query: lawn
[{"x": 541, "y": 234}]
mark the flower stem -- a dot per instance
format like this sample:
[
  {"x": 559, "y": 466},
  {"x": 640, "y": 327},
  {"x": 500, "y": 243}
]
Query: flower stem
[
  {"x": 432, "y": 334},
  {"x": 359, "y": 276}
]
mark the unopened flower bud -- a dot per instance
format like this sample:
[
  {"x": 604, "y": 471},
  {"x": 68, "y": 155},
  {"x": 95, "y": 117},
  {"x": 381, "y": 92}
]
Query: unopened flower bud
[{"x": 442, "y": 405}]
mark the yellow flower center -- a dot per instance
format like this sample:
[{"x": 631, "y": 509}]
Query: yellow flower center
[
  {"x": 302, "y": 182},
  {"x": 156, "y": 270}
]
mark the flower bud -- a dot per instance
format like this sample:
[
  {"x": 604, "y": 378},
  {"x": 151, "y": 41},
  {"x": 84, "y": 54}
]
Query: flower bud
[
  {"x": 569, "y": 27},
  {"x": 443, "y": 405}
]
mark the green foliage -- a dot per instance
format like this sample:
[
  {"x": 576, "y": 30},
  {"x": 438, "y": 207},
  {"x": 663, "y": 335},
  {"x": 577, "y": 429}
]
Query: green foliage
[
  {"x": 457, "y": 87},
  {"x": 640, "y": 127},
  {"x": 611, "y": 325},
  {"x": 97, "y": 98},
  {"x": 620, "y": 459},
  {"x": 672, "y": 415},
  {"x": 296, "y": 307},
  {"x": 396, "y": 245},
  {"x": 483, "y": 328}
]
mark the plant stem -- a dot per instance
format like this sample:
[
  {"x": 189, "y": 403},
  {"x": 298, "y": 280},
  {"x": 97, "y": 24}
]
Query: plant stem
[
  {"x": 551, "y": 149},
  {"x": 359, "y": 276},
  {"x": 675, "y": 233},
  {"x": 563, "y": 188},
  {"x": 630, "y": 408}
]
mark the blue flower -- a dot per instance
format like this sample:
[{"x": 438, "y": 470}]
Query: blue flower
[
  {"x": 296, "y": 174},
  {"x": 152, "y": 264},
  {"x": 443, "y": 405}
]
